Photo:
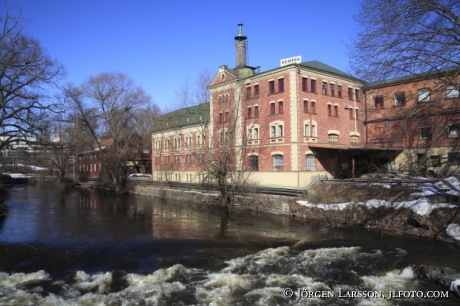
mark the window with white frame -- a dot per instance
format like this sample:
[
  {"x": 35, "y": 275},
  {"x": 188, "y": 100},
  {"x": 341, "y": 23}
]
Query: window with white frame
[
  {"x": 310, "y": 129},
  {"x": 253, "y": 133},
  {"x": 176, "y": 143},
  {"x": 188, "y": 141},
  {"x": 333, "y": 137},
  {"x": 310, "y": 162},
  {"x": 424, "y": 95},
  {"x": 277, "y": 162}
]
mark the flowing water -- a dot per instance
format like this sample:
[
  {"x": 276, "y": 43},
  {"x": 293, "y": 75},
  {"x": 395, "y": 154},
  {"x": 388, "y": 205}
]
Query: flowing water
[{"x": 81, "y": 247}]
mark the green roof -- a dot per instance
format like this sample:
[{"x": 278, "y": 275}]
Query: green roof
[
  {"x": 183, "y": 117},
  {"x": 412, "y": 77},
  {"x": 317, "y": 65}
]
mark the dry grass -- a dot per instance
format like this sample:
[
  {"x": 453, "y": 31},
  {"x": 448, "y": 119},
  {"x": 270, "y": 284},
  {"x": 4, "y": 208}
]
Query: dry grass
[{"x": 344, "y": 192}]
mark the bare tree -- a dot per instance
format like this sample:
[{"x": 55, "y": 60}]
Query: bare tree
[
  {"x": 396, "y": 38},
  {"x": 26, "y": 74},
  {"x": 107, "y": 106}
]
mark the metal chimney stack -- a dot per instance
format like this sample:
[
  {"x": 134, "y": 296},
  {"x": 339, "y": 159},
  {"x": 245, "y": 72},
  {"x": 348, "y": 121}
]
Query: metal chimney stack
[{"x": 240, "y": 41}]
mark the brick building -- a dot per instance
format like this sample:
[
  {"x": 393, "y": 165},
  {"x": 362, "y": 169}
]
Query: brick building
[
  {"x": 419, "y": 117},
  {"x": 285, "y": 126}
]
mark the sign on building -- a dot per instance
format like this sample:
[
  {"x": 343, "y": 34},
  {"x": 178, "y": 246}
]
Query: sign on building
[{"x": 291, "y": 60}]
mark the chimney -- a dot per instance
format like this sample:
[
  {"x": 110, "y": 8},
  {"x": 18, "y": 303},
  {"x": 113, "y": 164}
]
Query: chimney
[{"x": 240, "y": 41}]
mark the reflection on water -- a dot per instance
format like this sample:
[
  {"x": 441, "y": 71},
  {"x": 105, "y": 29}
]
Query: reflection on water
[{"x": 61, "y": 246}]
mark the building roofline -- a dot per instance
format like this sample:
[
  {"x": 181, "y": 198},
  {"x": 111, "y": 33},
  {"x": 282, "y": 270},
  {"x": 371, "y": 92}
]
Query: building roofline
[{"x": 413, "y": 77}]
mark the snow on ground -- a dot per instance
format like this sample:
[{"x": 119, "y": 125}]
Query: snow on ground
[
  {"x": 422, "y": 206},
  {"x": 18, "y": 175},
  {"x": 453, "y": 230}
]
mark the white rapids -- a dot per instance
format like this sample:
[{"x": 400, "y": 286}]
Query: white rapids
[{"x": 257, "y": 279}]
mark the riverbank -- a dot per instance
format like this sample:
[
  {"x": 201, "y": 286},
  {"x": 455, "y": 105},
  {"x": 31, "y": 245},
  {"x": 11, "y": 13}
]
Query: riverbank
[{"x": 429, "y": 210}]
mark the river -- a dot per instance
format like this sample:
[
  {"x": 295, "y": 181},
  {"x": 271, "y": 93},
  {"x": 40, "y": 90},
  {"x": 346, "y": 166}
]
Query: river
[{"x": 62, "y": 246}]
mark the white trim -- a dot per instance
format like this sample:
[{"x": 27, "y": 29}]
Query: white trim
[
  {"x": 333, "y": 132},
  {"x": 277, "y": 153}
]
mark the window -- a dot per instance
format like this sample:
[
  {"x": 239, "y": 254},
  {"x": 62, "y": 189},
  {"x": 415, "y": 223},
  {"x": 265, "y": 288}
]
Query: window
[
  {"x": 435, "y": 161},
  {"x": 276, "y": 130},
  {"x": 336, "y": 111},
  {"x": 424, "y": 95},
  {"x": 305, "y": 106},
  {"x": 280, "y": 85},
  {"x": 452, "y": 91},
  {"x": 271, "y": 87},
  {"x": 145, "y": 151},
  {"x": 227, "y": 116},
  {"x": 272, "y": 108},
  {"x": 313, "y": 130},
  {"x": 249, "y": 112},
  {"x": 354, "y": 139},
  {"x": 178, "y": 159},
  {"x": 188, "y": 141},
  {"x": 454, "y": 130},
  {"x": 307, "y": 130},
  {"x": 350, "y": 94},
  {"x": 253, "y": 133},
  {"x": 329, "y": 110},
  {"x": 248, "y": 93},
  {"x": 357, "y": 95},
  {"x": 254, "y": 163},
  {"x": 256, "y": 112},
  {"x": 333, "y": 138},
  {"x": 339, "y": 91},
  {"x": 313, "y": 86},
  {"x": 332, "y": 89},
  {"x": 324, "y": 88},
  {"x": 351, "y": 113},
  {"x": 220, "y": 119},
  {"x": 400, "y": 99},
  {"x": 177, "y": 143},
  {"x": 425, "y": 132},
  {"x": 188, "y": 158},
  {"x": 357, "y": 113},
  {"x": 378, "y": 102},
  {"x": 310, "y": 162},
  {"x": 280, "y": 107},
  {"x": 278, "y": 162},
  {"x": 304, "y": 84},
  {"x": 313, "y": 107},
  {"x": 256, "y": 90}
]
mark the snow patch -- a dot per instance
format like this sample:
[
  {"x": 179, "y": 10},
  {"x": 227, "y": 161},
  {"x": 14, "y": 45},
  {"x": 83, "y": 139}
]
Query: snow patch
[
  {"x": 453, "y": 230},
  {"x": 421, "y": 207}
]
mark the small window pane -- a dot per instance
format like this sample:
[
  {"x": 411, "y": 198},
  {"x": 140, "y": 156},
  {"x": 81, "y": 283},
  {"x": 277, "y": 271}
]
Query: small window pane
[
  {"x": 452, "y": 91},
  {"x": 424, "y": 95},
  {"x": 310, "y": 162}
]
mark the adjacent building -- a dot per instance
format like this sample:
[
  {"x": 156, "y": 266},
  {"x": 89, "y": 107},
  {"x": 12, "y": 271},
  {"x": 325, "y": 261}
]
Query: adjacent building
[{"x": 419, "y": 117}]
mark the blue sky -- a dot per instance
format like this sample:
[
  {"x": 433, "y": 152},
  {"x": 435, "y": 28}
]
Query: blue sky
[{"x": 161, "y": 44}]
